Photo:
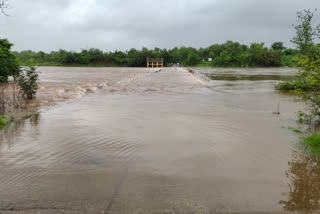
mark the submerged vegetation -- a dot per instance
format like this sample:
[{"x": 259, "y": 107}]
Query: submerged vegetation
[
  {"x": 229, "y": 54},
  {"x": 24, "y": 87}
]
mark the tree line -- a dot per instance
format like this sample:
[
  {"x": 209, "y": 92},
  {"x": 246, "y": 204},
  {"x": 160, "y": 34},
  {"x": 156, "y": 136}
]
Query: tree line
[{"x": 229, "y": 54}]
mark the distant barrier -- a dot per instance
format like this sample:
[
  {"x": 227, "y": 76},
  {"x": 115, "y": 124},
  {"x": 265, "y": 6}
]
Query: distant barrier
[{"x": 155, "y": 62}]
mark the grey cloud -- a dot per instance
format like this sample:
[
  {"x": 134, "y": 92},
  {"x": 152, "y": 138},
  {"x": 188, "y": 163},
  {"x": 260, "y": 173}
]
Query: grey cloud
[{"x": 112, "y": 24}]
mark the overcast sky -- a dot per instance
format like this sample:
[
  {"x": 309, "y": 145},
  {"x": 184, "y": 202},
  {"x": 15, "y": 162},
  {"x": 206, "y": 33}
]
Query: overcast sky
[{"x": 123, "y": 24}]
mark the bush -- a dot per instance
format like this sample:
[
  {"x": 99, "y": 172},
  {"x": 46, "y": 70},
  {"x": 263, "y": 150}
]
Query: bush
[
  {"x": 293, "y": 86},
  {"x": 9, "y": 65},
  {"x": 28, "y": 83}
]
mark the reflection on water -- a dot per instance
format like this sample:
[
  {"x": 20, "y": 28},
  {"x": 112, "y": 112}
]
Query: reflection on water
[
  {"x": 35, "y": 119},
  {"x": 8, "y": 135},
  {"x": 232, "y": 77},
  {"x": 304, "y": 187},
  {"x": 250, "y": 74}
]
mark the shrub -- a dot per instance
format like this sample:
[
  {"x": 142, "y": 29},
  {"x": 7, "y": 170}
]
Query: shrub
[
  {"x": 293, "y": 86},
  {"x": 28, "y": 82}
]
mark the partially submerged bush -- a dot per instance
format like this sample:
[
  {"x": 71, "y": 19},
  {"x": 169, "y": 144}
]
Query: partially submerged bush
[
  {"x": 28, "y": 82},
  {"x": 312, "y": 116},
  {"x": 292, "y": 86}
]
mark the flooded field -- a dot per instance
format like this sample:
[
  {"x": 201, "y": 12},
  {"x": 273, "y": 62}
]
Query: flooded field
[{"x": 149, "y": 141}]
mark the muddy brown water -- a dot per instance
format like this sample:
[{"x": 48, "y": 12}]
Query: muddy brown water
[{"x": 141, "y": 141}]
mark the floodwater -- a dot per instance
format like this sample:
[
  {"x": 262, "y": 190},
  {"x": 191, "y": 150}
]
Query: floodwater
[{"x": 149, "y": 141}]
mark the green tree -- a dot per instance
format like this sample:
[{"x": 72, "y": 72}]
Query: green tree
[
  {"x": 306, "y": 33},
  {"x": 289, "y": 57},
  {"x": 254, "y": 50},
  {"x": 65, "y": 57},
  {"x": 308, "y": 78},
  {"x": 224, "y": 59},
  {"x": 278, "y": 46},
  {"x": 23, "y": 56},
  {"x": 231, "y": 54},
  {"x": 138, "y": 58},
  {"x": 166, "y": 57},
  {"x": 119, "y": 57},
  {"x": 307, "y": 82},
  {"x": 84, "y": 57},
  {"x": 214, "y": 50},
  {"x": 193, "y": 58},
  {"x": 245, "y": 59},
  {"x": 9, "y": 65},
  {"x": 3, "y": 6},
  {"x": 269, "y": 59},
  {"x": 95, "y": 55}
]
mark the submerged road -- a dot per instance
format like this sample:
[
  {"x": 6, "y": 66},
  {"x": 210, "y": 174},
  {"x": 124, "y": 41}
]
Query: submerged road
[{"x": 152, "y": 141}]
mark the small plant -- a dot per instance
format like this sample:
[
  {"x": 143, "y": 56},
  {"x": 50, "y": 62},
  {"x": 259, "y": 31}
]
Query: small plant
[
  {"x": 312, "y": 116},
  {"x": 3, "y": 122},
  {"x": 28, "y": 82},
  {"x": 313, "y": 143},
  {"x": 294, "y": 129}
]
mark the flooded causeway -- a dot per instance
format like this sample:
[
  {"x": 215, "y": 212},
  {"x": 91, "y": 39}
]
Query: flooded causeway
[{"x": 148, "y": 141}]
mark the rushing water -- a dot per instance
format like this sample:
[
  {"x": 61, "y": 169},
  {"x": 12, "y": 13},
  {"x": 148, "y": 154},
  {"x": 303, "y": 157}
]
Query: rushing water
[{"x": 161, "y": 142}]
